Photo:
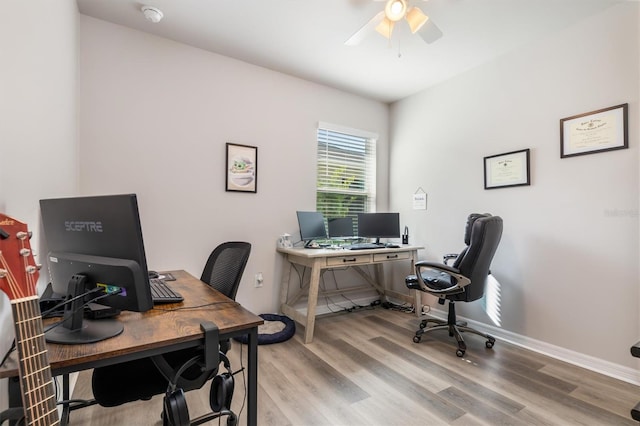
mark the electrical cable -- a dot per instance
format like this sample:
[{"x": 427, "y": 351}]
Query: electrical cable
[
  {"x": 73, "y": 299},
  {"x": 59, "y": 323},
  {"x": 206, "y": 305},
  {"x": 355, "y": 305},
  {"x": 11, "y": 349},
  {"x": 48, "y": 311},
  {"x": 395, "y": 307},
  {"x": 244, "y": 382}
]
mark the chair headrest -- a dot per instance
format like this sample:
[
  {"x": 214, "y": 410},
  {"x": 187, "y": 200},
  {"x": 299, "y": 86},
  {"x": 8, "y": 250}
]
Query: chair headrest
[{"x": 470, "y": 220}]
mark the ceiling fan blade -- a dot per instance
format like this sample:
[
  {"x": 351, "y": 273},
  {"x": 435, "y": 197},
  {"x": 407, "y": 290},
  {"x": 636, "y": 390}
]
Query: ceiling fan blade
[
  {"x": 367, "y": 28},
  {"x": 416, "y": 19},
  {"x": 430, "y": 32},
  {"x": 385, "y": 27}
]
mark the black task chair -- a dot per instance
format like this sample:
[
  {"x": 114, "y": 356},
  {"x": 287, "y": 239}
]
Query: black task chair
[
  {"x": 223, "y": 272},
  {"x": 177, "y": 372},
  {"x": 464, "y": 281}
]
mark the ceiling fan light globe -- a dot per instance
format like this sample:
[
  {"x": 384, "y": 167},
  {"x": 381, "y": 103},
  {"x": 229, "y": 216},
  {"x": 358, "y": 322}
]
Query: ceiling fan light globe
[
  {"x": 395, "y": 10},
  {"x": 385, "y": 27},
  {"x": 416, "y": 19}
]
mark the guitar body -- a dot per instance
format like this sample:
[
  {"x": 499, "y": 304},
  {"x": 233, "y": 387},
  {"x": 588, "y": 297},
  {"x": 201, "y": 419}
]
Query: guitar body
[{"x": 18, "y": 278}]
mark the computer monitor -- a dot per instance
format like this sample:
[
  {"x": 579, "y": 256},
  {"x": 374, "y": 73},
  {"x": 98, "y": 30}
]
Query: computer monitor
[
  {"x": 379, "y": 225},
  {"x": 95, "y": 243},
  {"x": 311, "y": 227},
  {"x": 340, "y": 227}
]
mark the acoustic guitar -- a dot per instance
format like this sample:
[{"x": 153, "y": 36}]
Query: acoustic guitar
[{"x": 18, "y": 277}]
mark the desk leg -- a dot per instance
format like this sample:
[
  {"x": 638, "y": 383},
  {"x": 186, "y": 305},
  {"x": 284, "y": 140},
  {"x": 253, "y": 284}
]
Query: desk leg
[
  {"x": 417, "y": 293},
  {"x": 252, "y": 397},
  {"x": 15, "y": 402},
  {"x": 65, "y": 397},
  {"x": 312, "y": 301},
  {"x": 284, "y": 284}
]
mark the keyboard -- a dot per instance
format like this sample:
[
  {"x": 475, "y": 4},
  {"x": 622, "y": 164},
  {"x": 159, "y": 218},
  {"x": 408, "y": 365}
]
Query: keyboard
[
  {"x": 162, "y": 293},
  {"x": 364, "y": 246}
]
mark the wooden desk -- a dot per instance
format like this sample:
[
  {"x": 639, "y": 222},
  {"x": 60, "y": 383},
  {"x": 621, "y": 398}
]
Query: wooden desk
[
  {"x": 159, "y": 331},
  {"x": 319, "y": 259}
]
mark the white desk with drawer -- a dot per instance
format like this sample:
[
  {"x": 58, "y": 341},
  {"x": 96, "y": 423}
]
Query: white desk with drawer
[{"x": 319, "y": 259}]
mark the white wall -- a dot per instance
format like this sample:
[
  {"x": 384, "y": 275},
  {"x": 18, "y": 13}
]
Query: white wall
[
  {"x": 38, "y": 124},
  {"x": 568, "y": 260},
  {"x": 155, "y": 116},
  {"x": 638, "y": 132},
  {"x": 570, "y": 247}
]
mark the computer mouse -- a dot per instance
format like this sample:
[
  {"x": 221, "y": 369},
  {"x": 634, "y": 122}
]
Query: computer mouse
[{"x": 153, "y": 274}]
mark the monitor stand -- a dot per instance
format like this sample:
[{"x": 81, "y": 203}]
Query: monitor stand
[
  {"x": 308, "y": 245},
  {"x": 76, "y": 330}
]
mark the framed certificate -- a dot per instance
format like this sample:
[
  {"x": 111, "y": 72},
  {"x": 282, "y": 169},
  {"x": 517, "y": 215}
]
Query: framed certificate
[
  {"x": 504, "y": 170},
  {"x": 597, "y": 131}
]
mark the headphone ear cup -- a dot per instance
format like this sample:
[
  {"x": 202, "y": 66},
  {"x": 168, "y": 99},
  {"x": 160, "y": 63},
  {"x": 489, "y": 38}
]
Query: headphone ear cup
[
  {"x": 221, "y": 392},
  {"x": 176, "y": 412}
]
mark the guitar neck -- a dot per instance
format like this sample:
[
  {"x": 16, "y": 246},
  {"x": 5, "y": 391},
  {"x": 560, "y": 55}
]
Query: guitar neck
[{"x": 39, "y": 397}]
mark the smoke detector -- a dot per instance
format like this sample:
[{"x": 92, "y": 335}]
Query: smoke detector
[{"x": 152, "y": 14}]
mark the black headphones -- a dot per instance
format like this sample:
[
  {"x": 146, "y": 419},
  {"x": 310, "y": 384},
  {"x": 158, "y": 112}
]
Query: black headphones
[
  {"x": 175, "y": 411},
  {"x": 222, "y": 386}
]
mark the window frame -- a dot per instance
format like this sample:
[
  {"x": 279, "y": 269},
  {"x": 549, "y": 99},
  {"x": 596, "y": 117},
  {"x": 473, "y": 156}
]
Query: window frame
[{"x": 346, "y": 136}]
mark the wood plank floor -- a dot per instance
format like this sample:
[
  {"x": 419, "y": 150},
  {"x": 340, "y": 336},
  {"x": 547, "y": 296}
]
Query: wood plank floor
[{"x": 363, "y": 369}]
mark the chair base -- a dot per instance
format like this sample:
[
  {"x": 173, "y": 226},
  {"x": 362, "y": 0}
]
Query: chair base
[{"x": 455, "y": 329}]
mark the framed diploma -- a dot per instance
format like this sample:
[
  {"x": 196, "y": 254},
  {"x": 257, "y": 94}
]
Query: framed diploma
[
  {"x": 504, "y": 170},
  {"x": 597, "y": 131}
]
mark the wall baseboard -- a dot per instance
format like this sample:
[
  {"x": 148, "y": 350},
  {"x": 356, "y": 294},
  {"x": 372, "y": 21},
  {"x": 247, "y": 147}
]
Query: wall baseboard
[{"x": 601, "y": 366}]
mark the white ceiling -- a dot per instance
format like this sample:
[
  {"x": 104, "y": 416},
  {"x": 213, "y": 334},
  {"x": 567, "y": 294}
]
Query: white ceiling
[{"x": 305, "y": 38}]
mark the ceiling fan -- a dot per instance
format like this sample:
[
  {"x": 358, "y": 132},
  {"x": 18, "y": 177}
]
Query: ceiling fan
[{"x": 394, "y": 12}]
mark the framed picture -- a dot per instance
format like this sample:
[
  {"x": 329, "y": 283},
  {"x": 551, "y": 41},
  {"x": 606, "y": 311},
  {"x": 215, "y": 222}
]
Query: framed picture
[
  {"x": 597, "y": 131},
  {"x": 241, "y": 168},
  {"x": 504, "y": 170}
]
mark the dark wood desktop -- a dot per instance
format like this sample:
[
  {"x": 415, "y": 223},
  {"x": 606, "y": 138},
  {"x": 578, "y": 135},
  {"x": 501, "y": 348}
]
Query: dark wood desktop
[{"x": 163, "y": 329}]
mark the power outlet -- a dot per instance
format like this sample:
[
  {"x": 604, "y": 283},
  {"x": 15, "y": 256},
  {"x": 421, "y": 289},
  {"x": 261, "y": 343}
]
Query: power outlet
[{"x": 259, "y": 280}]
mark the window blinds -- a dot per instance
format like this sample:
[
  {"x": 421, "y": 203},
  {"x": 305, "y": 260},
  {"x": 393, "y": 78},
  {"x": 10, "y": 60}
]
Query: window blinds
[{"x": 346, "y": 172}]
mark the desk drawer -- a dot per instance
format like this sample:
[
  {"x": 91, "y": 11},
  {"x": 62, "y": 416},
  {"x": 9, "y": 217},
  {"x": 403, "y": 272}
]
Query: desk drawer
[
  {"x": 383, "y": 257},
  {"x": 349, "y": 260}
]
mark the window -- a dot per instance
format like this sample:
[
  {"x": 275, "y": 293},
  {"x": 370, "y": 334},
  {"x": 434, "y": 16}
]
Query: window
[{"x": 346, "y": 182}]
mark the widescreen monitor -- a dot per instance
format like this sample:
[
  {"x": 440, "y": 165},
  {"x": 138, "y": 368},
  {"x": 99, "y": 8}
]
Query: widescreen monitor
[
  {"x": 379, "y": 225},
  {"x": 340, "y": 227},
  {"x": 95, "y": 245},
  {"x": 311, "y": 227}
]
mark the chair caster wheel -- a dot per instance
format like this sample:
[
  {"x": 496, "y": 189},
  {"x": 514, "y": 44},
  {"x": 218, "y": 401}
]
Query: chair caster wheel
[
  {"x": 489, "y": 343},
  {"x": 460, "y": 353},
  {"x": 423, "y": 324},
  {"x": 416, "y": 339}
]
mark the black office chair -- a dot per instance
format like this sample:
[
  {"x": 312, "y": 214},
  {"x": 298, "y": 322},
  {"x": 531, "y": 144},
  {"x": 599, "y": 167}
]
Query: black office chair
[
  {"x": 464, "y": 281},
  {"x": 223, "y": 271},
  {"x": 180, "y": 371}
]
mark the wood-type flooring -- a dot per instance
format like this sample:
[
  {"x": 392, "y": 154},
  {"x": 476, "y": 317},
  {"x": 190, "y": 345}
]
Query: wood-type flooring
[{"x": 363, "y": 369}]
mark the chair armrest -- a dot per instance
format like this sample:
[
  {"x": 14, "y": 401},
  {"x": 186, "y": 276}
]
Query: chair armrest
[
  {"x": 447, "y": 257},
  {"x": 460, "y": 280},
  {"x": 425, "y": 264}
]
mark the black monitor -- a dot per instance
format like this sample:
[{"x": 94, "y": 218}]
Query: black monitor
[
  {"x": 340, "y": 227},
  {"x": 379, "y": 225},
  {"x": 311, "y": 227},
  {"x": 95, "y": 245}
]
